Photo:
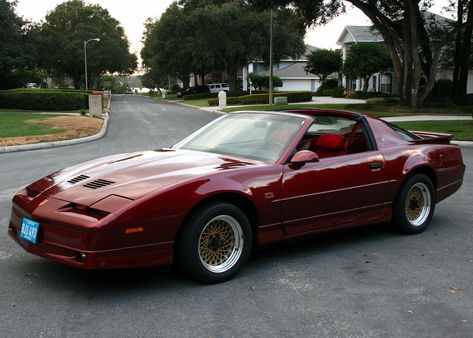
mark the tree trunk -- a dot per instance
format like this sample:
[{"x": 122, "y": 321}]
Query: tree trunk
[
  {"x": 202, "y": 79},
  {"x": 366, "y": 82},
  {"x": 412, "y": 40},
  {"x": 185, "y": 80},
  {"x": 465, "y": 53},
  {"x": 232, "y": 78},
  {"x": 77, "y": 80},
  {"x": 458, "y": 48}
]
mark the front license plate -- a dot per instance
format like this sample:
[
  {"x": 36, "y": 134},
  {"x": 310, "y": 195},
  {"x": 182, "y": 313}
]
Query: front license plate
[{"x": 29, "y": 230}]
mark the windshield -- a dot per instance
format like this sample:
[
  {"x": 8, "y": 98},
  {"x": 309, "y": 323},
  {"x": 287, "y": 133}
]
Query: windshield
[{"x": 257, "y": 136}]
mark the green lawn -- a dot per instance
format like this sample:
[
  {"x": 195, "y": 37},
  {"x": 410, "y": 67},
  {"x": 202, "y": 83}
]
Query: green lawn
[
  {"x": 198, "y": 102},
  {"x": 377, "y": 109},
  {"x": 461, "y": 130},
  {"x": 14, "y": 124}
]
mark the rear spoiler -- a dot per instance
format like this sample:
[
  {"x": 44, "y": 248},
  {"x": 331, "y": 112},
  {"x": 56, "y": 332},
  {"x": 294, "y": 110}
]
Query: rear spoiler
[{"x": 430, "y": 137}]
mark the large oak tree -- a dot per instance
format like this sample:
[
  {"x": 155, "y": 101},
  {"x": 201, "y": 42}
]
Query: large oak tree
[
  {"x": 204, "y": 36},
  {"x": 415, "y": 37},
  {"x": 60, "y": 42}
]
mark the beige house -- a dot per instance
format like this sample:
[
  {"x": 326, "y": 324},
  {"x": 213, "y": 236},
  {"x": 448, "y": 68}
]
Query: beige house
[
  {"x": 291, "y": 71},
  {"x": 379, "y": 82}
]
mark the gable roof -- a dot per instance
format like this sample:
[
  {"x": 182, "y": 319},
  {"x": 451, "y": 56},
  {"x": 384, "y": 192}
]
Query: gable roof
[
  {"x": 358, "y": 34},
  {"x": 294, "y": 70}
]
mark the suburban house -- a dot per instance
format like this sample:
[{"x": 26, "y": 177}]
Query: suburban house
[
  {"x": 381, "y": 82},
  {"x": 291, "y": 72}
]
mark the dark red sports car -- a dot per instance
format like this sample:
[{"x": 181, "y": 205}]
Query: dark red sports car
[{"x": 245, "y": 179}]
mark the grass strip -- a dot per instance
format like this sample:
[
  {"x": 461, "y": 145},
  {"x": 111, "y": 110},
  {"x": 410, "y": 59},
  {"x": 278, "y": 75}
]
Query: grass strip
[
  {"x": 16, "y": 124},
  {"x": 461, "y": 130}
]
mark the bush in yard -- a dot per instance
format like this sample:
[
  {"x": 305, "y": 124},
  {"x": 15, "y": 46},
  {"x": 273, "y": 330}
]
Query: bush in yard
[
  {"x": 338, "y": 92},
  {"x": 264, "y": 98},
  {"x": 200, "y": 96},
  {"x": 325, "y": 92},
  {"x": 44, "y": 100},
  {"x": 331, "y": 83},
  {"x": 442, "y": 89}
]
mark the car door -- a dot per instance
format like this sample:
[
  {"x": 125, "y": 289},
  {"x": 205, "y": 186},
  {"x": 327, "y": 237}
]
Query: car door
[{"x": 335, "y": 191}]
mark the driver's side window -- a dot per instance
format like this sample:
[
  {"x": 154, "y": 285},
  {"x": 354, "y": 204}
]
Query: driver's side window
[{"x": 332, "y": 136}]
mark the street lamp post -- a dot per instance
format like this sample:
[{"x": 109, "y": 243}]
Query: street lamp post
[{"x": 85, "y": 60}]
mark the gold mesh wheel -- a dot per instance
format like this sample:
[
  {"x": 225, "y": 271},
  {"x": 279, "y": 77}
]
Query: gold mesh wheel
[
  {"x": 220, "y": 243},
  {"x": 418, "y": 203}
]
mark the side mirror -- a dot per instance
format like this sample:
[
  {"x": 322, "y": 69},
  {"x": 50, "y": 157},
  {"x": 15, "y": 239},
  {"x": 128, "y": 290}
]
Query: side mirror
[{"x": 304, "y": 156}]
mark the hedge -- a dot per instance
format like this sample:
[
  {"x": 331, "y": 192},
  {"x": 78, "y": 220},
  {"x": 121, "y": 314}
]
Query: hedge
[
  {"x": 362, "y": 95},
  {"x": 200, "y": 96},
  {"x": 338, "y": 92},
  {"x": 43, "y": 100},
  {"x": 264, "y": 98},
  {"x": 215, "y": 95},
  {"x": 50, "y": 90}
]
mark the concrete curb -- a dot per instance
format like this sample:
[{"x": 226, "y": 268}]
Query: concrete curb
[
  {"x": 467, "y": 144},
  {"x": 46, "y": 145}
]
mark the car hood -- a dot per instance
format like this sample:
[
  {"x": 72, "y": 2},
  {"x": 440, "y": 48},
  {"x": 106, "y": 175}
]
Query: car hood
[{"x": 132, "y": 175}]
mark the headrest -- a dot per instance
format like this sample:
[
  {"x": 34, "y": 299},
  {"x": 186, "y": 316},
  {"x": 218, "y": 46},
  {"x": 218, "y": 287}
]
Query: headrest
[{"x": 331, "y": 141}]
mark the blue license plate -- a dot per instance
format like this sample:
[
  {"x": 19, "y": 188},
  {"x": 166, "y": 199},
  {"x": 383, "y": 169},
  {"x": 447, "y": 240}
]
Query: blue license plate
[{"x": 29, "y": 230}]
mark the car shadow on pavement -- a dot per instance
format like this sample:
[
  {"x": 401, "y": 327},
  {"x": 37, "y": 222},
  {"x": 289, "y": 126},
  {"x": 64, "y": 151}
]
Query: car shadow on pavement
[{"x": 53, "y": 275}]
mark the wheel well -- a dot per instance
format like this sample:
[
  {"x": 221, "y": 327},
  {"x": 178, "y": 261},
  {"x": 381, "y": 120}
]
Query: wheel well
[
  {"x": 244, "y": 203},
  {"x": 427, "y": 171}
]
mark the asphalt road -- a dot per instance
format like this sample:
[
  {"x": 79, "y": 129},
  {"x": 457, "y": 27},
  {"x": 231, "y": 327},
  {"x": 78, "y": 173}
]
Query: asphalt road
[{"x": 369, "y": 282}]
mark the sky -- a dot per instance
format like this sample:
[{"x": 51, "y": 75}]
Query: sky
[{"x": 133, "y": 14}]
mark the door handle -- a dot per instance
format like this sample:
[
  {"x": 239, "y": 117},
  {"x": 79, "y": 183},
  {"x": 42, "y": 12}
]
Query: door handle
[{"x": 376, "y": 166}]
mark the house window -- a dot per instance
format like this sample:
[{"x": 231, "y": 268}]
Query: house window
[{"x": 385, "y": 83}]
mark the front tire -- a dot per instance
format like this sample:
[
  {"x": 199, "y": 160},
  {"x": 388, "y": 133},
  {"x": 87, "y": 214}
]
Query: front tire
[
  {"x": 214, "y": 243},
  {"x": 414, "y": 205}
]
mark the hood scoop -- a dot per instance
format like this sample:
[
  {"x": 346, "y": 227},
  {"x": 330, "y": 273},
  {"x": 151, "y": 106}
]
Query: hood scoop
[
  {"x": 97, "y": 184},
  {"x": 78, "y": 179}
]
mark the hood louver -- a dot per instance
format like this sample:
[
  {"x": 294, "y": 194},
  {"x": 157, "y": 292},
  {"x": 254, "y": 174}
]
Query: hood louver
[
  {"x": 78, "y": 179},
  {"x": 97, "y": 184}
]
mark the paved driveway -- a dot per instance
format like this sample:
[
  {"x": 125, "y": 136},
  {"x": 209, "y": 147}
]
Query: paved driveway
[{"x": 365, "y": 283}]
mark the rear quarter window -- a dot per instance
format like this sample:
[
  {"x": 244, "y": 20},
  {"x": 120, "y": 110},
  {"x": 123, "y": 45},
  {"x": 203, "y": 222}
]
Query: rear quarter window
[{"x": 405, "y": 134}]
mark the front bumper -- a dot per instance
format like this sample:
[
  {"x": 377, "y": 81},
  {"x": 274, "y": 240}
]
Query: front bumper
[{"x": 74, "y": 246}]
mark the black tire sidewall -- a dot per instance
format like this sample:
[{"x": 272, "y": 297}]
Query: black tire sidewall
[
  {"x": 399, "y": 215},
  {"x": 188, "y": 249}
]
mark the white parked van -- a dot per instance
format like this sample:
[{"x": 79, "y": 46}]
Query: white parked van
[{"x": 218, "y": 87}]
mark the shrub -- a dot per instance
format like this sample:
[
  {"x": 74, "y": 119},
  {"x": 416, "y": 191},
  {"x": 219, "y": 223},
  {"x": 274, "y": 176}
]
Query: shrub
[
  {"x": 49, "y": 90},
  {"x": 331, "y": 83},
  {"x": 200, "y": 96},
  {"x": 325, "y": 92},
  {"x": 442, "y": 89},
  {"x": 264, "y": 98},
  {"x": 338, "y": 92},
  {"x": 362, "y": 95},
  {"x": 44, "y": 100},
  {"x": 466, "y": 100}
]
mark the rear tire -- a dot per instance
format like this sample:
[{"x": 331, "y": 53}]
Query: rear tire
[
  {"x": 414, "y": 205},
  {"x": 214, "y": 243}
]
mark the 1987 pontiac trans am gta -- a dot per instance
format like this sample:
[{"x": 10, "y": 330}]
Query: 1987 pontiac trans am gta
[{"x": 245, "y": 179}]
